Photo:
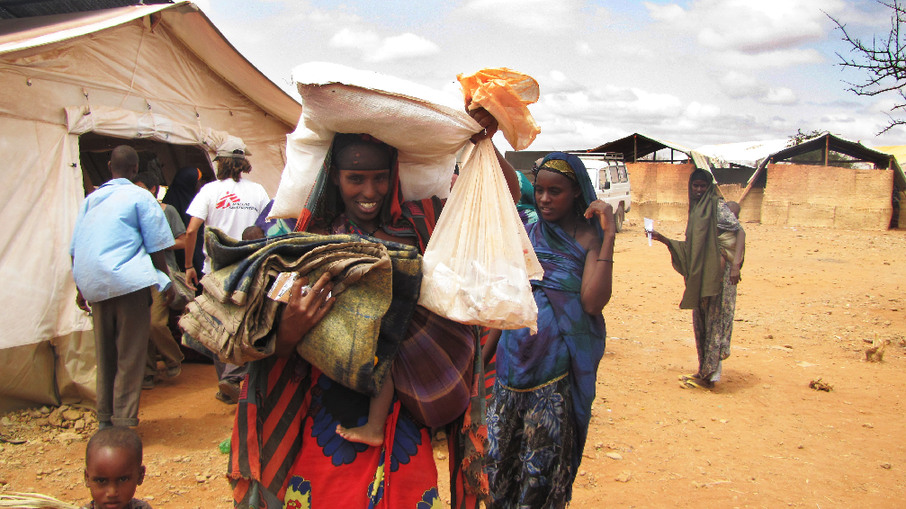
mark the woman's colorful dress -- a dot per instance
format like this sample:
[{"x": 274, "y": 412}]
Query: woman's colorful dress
[
  {"x": 541, "y": 406},
  {"x": 285, "y": 449}
]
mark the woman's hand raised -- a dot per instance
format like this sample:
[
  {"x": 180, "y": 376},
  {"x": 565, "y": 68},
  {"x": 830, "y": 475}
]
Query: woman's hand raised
[{"x": 604, "y": 212}]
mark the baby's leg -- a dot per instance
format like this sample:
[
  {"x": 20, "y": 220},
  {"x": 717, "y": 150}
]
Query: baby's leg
[{"x": 372, "y": 432}]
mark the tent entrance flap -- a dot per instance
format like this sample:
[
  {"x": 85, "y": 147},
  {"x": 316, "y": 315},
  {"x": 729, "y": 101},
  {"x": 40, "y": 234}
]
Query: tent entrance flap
[
  {"x": 131, "y": 125},
  {"x": 163, "y": 159}
]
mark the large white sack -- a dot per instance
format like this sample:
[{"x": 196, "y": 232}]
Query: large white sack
[{"x": 422, "y": 124}]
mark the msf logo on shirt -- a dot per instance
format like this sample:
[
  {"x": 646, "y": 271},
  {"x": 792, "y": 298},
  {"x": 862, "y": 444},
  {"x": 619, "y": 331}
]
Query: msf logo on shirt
[{"x": 227, "y": 200}]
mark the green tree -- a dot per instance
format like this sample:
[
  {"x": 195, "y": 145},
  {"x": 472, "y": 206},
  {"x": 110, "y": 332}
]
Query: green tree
[{"x": 801, "y": 137}]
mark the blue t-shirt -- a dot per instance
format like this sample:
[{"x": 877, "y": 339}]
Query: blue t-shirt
[{"x": 118, "y": 225}]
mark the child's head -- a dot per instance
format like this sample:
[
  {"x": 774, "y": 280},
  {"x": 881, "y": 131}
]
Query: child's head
[
  {"x": 734, "y": 208},
  {"x": 113, "y": 466},
  {"x": 147, "y": 181},
  {"x": 253, "y": 233}
]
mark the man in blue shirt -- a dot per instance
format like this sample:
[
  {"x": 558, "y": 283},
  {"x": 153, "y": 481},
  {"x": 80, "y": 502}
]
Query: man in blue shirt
[{"x": 117, "y": 255}]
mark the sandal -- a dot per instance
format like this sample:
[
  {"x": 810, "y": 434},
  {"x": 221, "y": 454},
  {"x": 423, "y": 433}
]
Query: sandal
[
  {"x": 695, "y": 384},
  {"x": 693, "y": 376}
]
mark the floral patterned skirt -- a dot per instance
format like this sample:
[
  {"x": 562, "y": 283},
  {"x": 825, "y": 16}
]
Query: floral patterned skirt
[
  {"x": 531, "y": 437},
  {"x": 712, "y": 322},
  {"x": 331, "y": 472},
  {"x": 285, "y": 451}
]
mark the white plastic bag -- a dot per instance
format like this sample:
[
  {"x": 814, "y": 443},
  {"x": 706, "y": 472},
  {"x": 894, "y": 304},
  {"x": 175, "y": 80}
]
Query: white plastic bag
[{"x": 479, "y": 260}]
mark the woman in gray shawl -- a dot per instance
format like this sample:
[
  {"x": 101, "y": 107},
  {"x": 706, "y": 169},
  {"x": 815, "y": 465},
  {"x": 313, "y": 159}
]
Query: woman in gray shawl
[{"x": 710, "y": 260}]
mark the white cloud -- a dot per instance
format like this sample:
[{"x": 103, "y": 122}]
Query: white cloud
[
  {"x": 749, "y": 35},
  {"x": 355, "y": 39},
  {"x": 377, "y": 49},
  {"x": 401, "y": 46},
  {"x": 609, "y": 105},
  {"x": 754, "y": 27},
  {"x": 862, "y": 13},
  {"x": 750, "y": 27},
  {"x": 698, "y": 111},
  {"x": 772, "y": 59},
  {"x": 780, "y": 95},
  {"x": 656, "y": 104},
  {"x": 691, "y": 71},
  {"x": 535, "y": 15},
  {"x": 557, "y": 82},
  {"x": 667, "y": 13},
  {"x": 738, "y": 85}
]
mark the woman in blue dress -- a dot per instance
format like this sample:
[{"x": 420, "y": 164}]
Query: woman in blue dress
[{"x": 538, "y": 418}]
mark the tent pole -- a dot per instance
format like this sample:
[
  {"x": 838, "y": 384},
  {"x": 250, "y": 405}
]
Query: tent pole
[
  {"x": 755, "y": 176},
  {"x": 826, "y": 149}
]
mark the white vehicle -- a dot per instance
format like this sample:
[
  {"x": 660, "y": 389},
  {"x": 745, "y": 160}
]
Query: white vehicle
[{"x": 611, "y": 180}]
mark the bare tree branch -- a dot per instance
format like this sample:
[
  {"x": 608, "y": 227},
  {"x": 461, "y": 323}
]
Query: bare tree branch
[{"x": 882, "y": 60}]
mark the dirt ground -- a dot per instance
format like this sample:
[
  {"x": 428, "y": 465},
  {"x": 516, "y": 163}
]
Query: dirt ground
[{"x": 810, "y": 303}]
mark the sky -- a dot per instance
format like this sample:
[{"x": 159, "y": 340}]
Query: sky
[{"x": 694, "y": 73}]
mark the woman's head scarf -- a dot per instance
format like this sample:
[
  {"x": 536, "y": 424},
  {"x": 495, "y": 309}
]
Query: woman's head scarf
[
  {"x": 325, "y": 203},
  {"x": 705, "y": 176},
  {"x": 182, "y": 189},
  {"x": 571, "y": 167},
  {"x": 698, "y": 257}
]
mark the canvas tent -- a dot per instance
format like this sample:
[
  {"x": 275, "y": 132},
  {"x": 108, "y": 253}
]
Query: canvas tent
[{"x": 141, "y": 73}]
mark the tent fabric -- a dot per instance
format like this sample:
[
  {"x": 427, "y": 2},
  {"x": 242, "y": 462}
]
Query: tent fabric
[
  {"x": 131, "y": 125},
  {"x": 49, "y": 373},
  {"x": 118, "y": 74},
  {"x": 744, "y": 153},
  {"x": 184, "y": 20}
]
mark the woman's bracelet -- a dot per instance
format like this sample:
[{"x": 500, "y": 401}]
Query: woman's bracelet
[
  {"x": 605, "y": 260},
  {"x": 190, "y": 267}
]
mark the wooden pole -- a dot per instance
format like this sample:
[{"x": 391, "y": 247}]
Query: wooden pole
[{"x": 826, "y": 148}]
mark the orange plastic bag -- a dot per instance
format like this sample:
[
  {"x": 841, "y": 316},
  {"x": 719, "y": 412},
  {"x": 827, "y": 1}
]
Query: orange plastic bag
[{"x": 506, "y": 94}]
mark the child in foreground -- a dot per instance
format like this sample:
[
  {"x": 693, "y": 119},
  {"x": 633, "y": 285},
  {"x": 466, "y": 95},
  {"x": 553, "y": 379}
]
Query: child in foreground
[{"x": 113, "y": 469}]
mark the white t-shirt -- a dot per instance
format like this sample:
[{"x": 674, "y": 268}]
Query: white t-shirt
[{"x": 229, "y": 206}]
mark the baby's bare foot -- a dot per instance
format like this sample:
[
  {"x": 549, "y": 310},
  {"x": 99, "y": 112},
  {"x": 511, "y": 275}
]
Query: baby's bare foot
[{"x": 367, "y": 434}]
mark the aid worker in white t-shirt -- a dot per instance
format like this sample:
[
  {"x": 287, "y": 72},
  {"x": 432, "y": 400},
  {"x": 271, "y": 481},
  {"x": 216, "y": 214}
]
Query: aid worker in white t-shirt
[{"x": 230, "y": 204}]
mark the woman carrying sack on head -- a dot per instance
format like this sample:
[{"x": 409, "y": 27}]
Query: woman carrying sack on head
[
  {"x": 288, "y": 443},
  {"x": 541, "y": 404}
]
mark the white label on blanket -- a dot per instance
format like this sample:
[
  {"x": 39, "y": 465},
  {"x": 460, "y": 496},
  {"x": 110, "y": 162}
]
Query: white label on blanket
[{"x": 282, "y": 285}]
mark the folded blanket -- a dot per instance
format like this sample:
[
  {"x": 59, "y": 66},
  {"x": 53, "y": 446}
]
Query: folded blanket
[{"x": 376, "y": 287}]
